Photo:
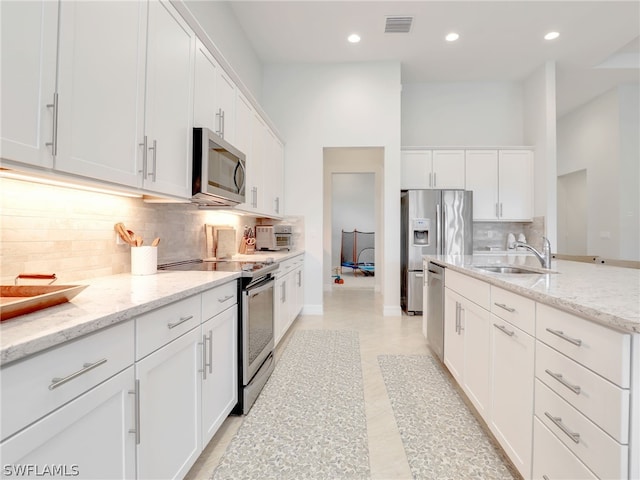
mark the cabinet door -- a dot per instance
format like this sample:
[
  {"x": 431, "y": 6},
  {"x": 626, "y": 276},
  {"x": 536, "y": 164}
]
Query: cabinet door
[
  {"x": 280, "y": 307},
  {"x": 512, "y": 367},
  {"x": 448, "y": 169},
  {"x": 220, "y": 372},
  {"x": 88, "y": 437},
  {"x": 453, "y": 334},
  {"x": 274, "y": 175},
  {"x": 477, "y": 354},
  {"x": 245, "y": 143},
  {"x": 170, "y": 405},
  {"x": 255, "y": 189},
  {"x": 29, "y": 45},
  {"x": 204, "y": 91},
  {"x": 515, "y": 180},
  {"x": 100, "y": 89},
  {"x": 226, "y": 106},
  {"x": 415, "y": 169},
  {"x": 482, "y": 178},
  {"x": 169, "y": 102}
]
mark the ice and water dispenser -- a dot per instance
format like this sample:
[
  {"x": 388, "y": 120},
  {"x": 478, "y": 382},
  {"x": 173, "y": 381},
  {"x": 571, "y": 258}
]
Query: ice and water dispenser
[{"x": 421, "y": 232}]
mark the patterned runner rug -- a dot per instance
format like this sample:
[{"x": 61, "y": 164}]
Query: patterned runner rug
[
  {"x": 309, "y": 421},
  {"x": 441, "y": 437}
]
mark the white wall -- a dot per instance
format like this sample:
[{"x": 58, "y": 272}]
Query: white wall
[
  {"x": 337, "y": 105},
  {"x": 220, "y": 23},
  {"x": 602, "y": 138},
  {"x": 352, "y": 207},
  {"x": 471, "y": 114},
  {"x": 540, "y": 132}
]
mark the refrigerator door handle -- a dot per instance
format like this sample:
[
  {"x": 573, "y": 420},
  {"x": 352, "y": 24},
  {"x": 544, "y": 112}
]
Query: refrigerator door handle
[{"x": 438, "y": 229}]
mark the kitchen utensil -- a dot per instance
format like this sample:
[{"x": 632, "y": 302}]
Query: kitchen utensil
[
  {"x": 125, "y": 235},
  {"x": 155, "y": 242}
]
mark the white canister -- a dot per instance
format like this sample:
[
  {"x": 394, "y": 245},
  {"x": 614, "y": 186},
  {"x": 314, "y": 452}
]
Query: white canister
[{"x": 144, "y": 260}]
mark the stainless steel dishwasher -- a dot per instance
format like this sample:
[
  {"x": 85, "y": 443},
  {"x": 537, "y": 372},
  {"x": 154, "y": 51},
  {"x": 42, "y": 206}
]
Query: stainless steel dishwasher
[{"x": 435, "y": 309}]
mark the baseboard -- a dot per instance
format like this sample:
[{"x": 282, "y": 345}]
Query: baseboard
[
  {"x": 392, "y": 311},
  {"x": 312, "y": 310}
]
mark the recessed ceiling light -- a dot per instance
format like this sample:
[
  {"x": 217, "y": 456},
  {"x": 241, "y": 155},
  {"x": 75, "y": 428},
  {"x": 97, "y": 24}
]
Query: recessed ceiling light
[
  {"x": 354, "y": 38},
  {"x": 551, "y": 36},
  {"x": 452, "y": 37}
]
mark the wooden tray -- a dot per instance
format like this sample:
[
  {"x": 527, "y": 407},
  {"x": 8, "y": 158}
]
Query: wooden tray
[{"x": 21, "y": 299}]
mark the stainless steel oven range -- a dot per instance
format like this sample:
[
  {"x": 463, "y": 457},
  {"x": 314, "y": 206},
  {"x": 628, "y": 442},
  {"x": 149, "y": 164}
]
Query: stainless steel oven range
[{"x": 255, "y": 317}]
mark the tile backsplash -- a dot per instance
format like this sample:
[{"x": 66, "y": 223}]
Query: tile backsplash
[
  {"x": 50, "y": 229},
  {"x": 494, "y": 234}
]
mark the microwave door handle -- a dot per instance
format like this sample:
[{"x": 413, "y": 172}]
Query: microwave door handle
[{"x": 244, "y": 177}]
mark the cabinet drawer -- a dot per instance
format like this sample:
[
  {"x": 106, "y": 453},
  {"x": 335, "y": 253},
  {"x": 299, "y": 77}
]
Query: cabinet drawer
[
  {"x": 601, "y": 453},
  {"x": 475, "y": 290},
  {"x": 603, "y": 350},
  {"x": 606, "y": 404},
  {"x": 552, "y": 460},
  {"x": 219, "y": 299},
  {"x": 514, "y": 308},
  {"x": 33, "y": 387},
  {"x": 159, "y": 327}
]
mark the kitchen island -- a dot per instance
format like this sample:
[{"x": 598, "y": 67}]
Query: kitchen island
[{"x": 548, "y": 359}]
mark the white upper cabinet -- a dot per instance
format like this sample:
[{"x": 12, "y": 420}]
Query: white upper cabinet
[
  {"x": 274, "y": 176},
  {"x": 28, "y": 82},
  {"x": 226, "y": 106},
  {"x": 204, "y": 94},
  {"x": 168, "y": 132},
  {"x": 100, "y": 89},
  {"x": 432, "y": 169},
  {"x": 502, "y": 184}
]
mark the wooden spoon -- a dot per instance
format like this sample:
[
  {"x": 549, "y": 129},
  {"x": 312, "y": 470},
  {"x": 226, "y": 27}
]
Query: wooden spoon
[{"x": 155, "y": 242}]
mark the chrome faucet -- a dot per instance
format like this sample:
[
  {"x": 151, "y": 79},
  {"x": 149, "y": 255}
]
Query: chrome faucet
[{"x": 544, "y": 257}]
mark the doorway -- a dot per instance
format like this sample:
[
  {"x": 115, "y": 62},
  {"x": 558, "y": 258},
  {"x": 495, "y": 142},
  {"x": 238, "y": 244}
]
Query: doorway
[
  {"x": 572, "y": 213},
  {"x": 353, "y": 191}
]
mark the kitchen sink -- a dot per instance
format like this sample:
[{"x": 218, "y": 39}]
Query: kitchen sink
[{"x": 511, "y": 269}]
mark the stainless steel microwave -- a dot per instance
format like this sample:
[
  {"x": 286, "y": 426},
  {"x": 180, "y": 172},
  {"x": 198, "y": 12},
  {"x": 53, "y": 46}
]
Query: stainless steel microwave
[{"x": 219, "y": 171}]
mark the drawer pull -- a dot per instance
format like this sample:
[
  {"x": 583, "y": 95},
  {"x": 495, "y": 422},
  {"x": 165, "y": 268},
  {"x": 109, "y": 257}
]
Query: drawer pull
[
  {"x": 56, "y": 382},
  {"x": 179, "y": 322},
  {"x": 558, "y": 376},
  {"x": 559, "y": 333},
  {"x": 504, "y": 307},
  {"x": 558, "y": 422},
  {"x": 504, "y": 329},
  {"x": 224, "y": 299}
]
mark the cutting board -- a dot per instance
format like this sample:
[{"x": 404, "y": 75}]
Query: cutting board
[{"x": 225, "y": 242}]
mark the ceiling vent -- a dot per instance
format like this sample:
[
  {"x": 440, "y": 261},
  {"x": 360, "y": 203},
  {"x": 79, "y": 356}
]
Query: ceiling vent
[{"x": 398, "y": 24}]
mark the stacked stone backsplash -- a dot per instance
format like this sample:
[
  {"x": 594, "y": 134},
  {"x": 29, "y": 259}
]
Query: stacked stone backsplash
[
  {"x": 50, "y": 229},
  {"x": 494, "y": 234}
]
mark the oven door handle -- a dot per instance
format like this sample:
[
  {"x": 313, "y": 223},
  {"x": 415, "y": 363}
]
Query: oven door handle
[{"x": 259, "y": 286}]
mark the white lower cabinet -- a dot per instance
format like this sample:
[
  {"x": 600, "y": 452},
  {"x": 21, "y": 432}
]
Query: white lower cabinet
[
  {"x": 289, "y": 295},
  {"x": 169, "y": 440},
  {"x": 90, "y": 437},
  {"x": 512, "y": 366},
  {"x": 219, "y": 375}
]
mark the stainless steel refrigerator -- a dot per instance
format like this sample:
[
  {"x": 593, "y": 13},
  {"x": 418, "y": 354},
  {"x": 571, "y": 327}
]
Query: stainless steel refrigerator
[{"x": 433, "y": 222}]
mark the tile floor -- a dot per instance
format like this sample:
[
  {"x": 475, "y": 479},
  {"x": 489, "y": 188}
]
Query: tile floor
[{"x": 359, "y": 310}]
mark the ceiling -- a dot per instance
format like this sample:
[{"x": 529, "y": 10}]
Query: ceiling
[{"x": 499, "y": 40}]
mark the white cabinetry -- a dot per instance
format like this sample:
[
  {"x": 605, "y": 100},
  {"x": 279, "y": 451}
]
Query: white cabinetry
[
  {"x": 274, "y": 173},
  {"x": 432, "y": 169},
  {"x": 28, "y": 82},
  {"x": 502, "y": 184},
  {"x": 167, "y": 139},
  {"x": 100, "y": 89},
  {"x": 467, "y": 337},
  {"x": 512, "y": 367},
  {"x": 289, "y": 295},
  {"x": 66, "y": 395}
]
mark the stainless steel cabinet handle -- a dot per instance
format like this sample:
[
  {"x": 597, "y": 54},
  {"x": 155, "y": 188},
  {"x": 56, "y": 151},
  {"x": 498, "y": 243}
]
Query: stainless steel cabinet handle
[
  {"x": 155, "y": 155},
  {"x": 136, "y": 430},
  {"x": 558, "y": 376},
  {"x": 211, "y": 351},
  {"x": 497, "y": 211},
  {"x": 224, "y": 299},
  {"x": 222, "y": 122},
  {"x": 57, "y": 381},
  {"x": 502, "y": 305},
  {"x": 283, "y": 297},
  {"x": 430, "y": 175},
  {"x": 435, "y": 182},
  {"x": 179, "y": 322},
  {"x": 144, "y": 157},
  {"x": 54, "y": 134},
  {"x": 277, "y": 204},
  {"x": 438, "y": 228},
  {"x": 504, "y": 329},
  {"x": 255, "y": 197},
  {"x": 561, "y": 334},
  {"x": 300, "y": 278},
  {"x": 558, "y": 422},
  {"x": 501, "y": 215}
]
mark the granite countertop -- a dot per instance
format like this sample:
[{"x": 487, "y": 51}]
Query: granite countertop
[
  {"x": 106, "y": 301},
  {"x": 604, "y": 294}
]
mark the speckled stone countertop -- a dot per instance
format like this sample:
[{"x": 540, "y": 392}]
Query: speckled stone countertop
[
  {"x": 106, "y": 301},
  {"x": 604, "y": 294}
]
